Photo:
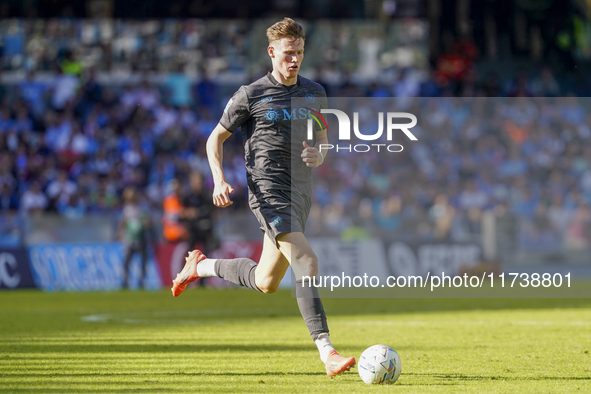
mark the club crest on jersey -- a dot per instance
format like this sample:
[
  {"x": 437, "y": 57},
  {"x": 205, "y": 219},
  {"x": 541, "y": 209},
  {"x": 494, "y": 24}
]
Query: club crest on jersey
[
  {"x": 266, "y": 99},
  {"x": 310, "y": 98},
  {"x": 272, "y": 115},
  {"x": 276, "y": 221}
]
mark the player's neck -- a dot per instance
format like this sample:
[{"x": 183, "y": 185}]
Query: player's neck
[{"x": 282, "y": 80}]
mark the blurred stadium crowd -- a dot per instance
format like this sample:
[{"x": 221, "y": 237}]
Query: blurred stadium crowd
[{"x": 90, "y": 118}]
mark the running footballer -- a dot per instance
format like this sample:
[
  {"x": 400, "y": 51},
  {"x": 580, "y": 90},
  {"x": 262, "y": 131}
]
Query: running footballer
[{"x": 280, "y": 189}]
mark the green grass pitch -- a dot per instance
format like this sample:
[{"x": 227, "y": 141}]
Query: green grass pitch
[{"x": 238, "y": 341}]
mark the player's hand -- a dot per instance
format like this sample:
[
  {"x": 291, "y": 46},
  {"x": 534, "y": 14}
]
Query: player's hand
[
  {"x": 311, "y": 156},
  {"x": 221, "y": 194}
]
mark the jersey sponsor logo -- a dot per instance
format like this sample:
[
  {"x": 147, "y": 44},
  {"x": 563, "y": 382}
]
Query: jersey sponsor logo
[
  {"x": 272, "y": 115},
  {"x": 266, "y": 99},
  {"x": 310, "y": 98},
  {"x": 276, "y": 221},
  {"x": 296, "y": 113},
  {"x": 228, "y": 105}
]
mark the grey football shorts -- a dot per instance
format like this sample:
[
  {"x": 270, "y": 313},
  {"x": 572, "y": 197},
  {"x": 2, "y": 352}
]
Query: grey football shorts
[{"x": 280, "y": 211}]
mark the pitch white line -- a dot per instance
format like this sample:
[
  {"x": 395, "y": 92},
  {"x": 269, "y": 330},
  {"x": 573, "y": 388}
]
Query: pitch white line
[{"x": 182, "y": 316}]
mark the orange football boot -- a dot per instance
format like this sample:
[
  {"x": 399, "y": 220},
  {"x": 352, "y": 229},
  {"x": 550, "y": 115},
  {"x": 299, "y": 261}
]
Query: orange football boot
[
  {"x": 188, "y": 274},
  {"x": 337, "y": 364}
]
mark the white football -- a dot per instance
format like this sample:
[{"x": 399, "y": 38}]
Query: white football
[{"x": 379, "y": 364}]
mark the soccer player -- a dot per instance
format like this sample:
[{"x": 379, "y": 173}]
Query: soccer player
[{"x": 280, "y": 188}]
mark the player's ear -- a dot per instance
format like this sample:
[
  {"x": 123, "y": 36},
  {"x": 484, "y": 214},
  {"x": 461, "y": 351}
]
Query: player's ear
[{"x": 271, "y": 51}]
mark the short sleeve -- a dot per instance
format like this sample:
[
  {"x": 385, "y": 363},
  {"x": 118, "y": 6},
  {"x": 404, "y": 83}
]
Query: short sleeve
[{"x": 237, "y": 111}]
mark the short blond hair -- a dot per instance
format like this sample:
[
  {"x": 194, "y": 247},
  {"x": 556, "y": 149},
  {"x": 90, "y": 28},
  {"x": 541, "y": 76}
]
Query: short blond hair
[{"x": 285, "y": 28}]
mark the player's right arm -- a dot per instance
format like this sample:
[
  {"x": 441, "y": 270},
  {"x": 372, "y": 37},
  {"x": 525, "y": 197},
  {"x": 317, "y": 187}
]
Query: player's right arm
[
  {"x": 215, "y": 155},
  {"x": 237, "y": 111}
]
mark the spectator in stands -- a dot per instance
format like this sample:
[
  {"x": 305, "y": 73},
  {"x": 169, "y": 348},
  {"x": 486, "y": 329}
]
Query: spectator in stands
[
  {"x": 5, "y": 119},
  {"x": 578, "y": 233},
  {"x": 471, "y": 197},
  {"x": 166, "y": 117},
  {"x": 520, "y": 87},
  {"x": 2, "y": 89},
  {"x": 8, "y": 198},
  {"x": 179, "y": 86},
  {"x": 10, "y": 228},
  {"x": 545, "y": 85},
  {"x": 406, "y": 85},
  {"x": 454, "y": 64},
  {"x": 148, "y": 95},
  {"x": 206, "y": 90},
  {"x": 91, "y": 92},
  {"x": 34, "y": 200},
  {"x": 70, "y": 65},
  {"x": 443, "y": 215},
  {"x": 23, "y": 123},
  {"x": 32, "y": 91},
  {"x": 61, "y": 189},
  {"x": 490, "y": 86},
  {"x": 63, "y": 89},
  {"x": 429, "y": 87},
  {"x": 389, "y": 216},
  {"x": 72, "y": 207}
]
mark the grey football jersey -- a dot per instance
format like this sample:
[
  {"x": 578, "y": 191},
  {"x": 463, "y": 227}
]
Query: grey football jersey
[{"x": 273, "y": 132}]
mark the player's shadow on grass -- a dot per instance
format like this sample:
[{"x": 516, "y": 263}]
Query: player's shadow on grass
[
  {"x": 80, "y": 390},
  {"x": 139, "y": 348},
  {"x": 361, "y": 306},
  {"x": 156, "y": 375},
  {"x": 465, "y": 377}
]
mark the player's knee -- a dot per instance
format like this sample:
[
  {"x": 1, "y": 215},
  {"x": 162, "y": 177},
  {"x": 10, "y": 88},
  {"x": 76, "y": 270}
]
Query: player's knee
[
  {"x": 308, "y": 266},
  {"x": 269, "y": 289},
  {"x": 267, "y": 285}
]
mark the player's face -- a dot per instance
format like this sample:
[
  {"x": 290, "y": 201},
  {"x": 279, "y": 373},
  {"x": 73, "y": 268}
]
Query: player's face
[{"x": 287, "y": 55}]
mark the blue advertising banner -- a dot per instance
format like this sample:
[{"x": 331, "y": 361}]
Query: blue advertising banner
[
  {"x": 86, "y": 266},
  {"x": 14, "y": 269}
]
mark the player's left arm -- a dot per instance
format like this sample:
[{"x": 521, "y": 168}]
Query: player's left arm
[{"x": 313, "y": 156}]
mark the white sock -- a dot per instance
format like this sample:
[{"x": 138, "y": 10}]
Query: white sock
[
  {"x": 206, "y": 268},
  {"x": 324, "y": 346}
]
